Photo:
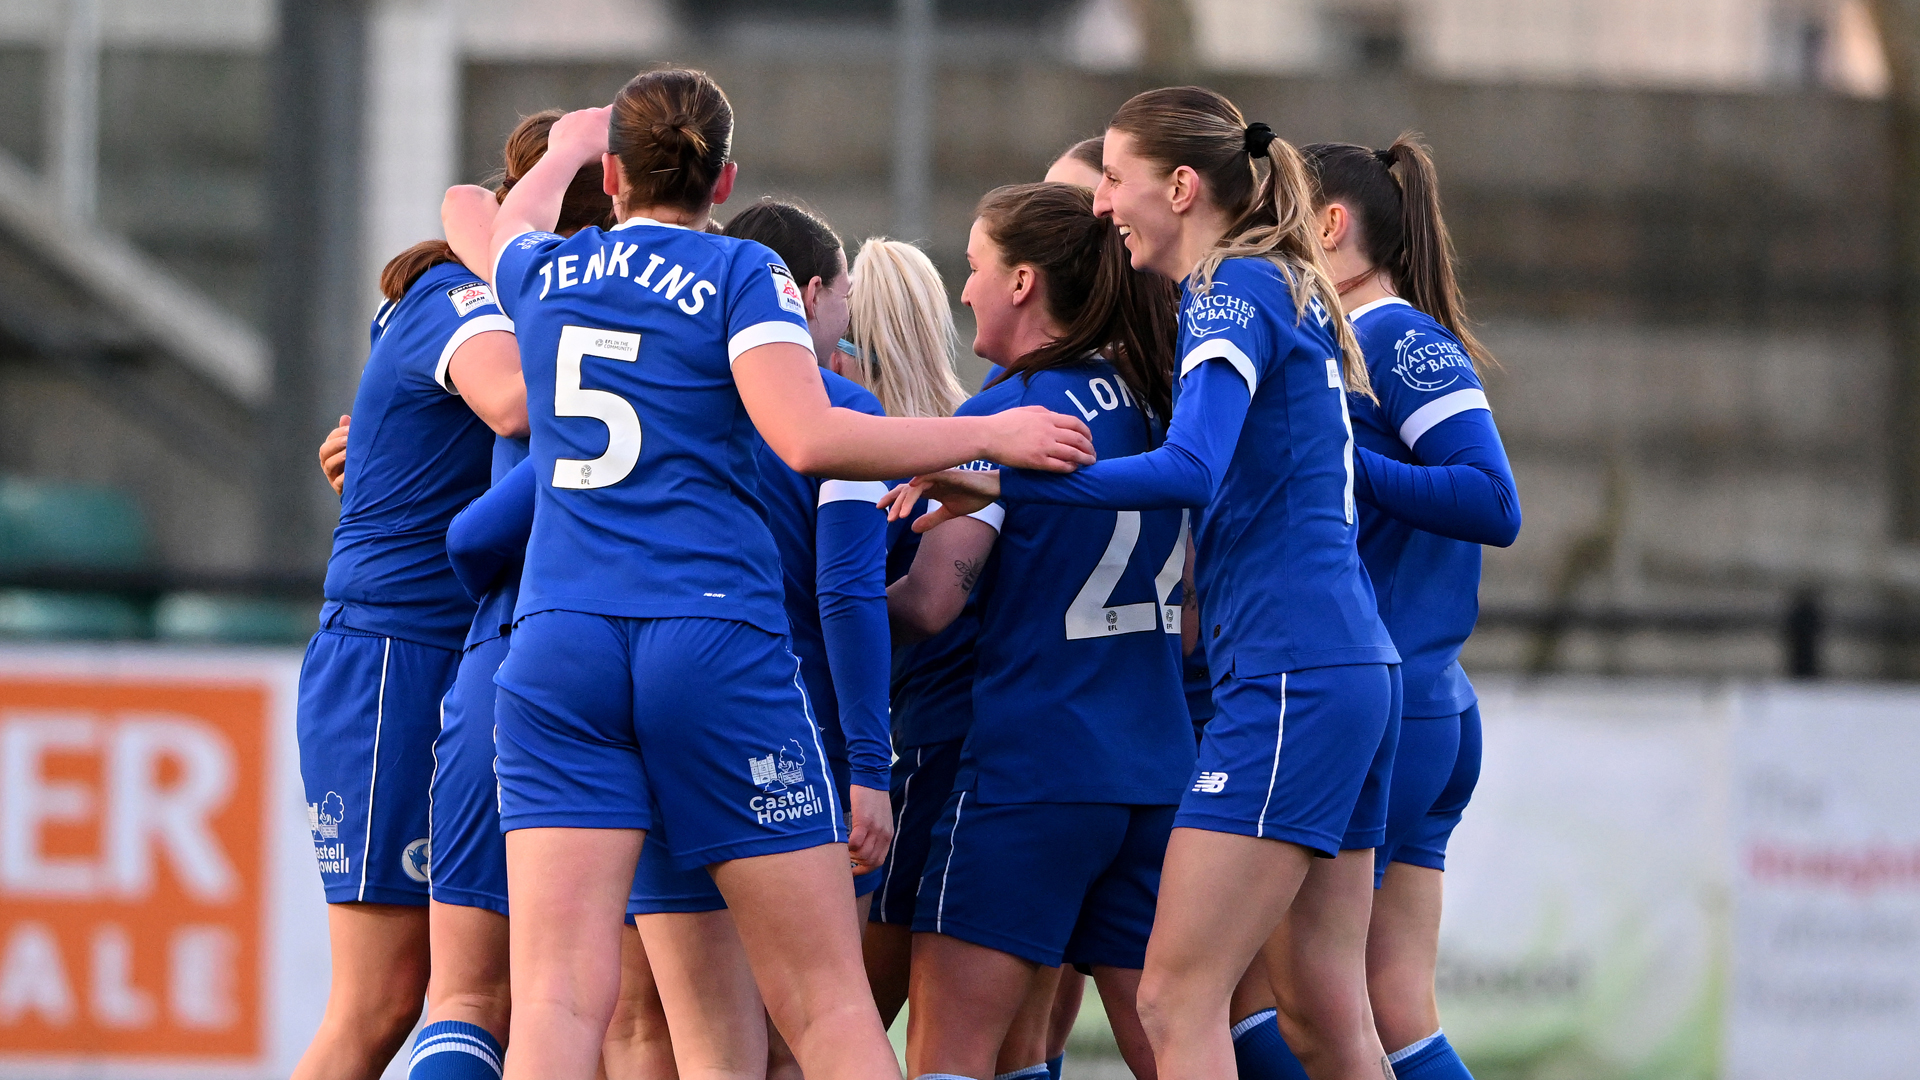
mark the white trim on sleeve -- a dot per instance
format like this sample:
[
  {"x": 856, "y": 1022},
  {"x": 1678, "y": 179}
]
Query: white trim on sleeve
[
  {"x": 468, "y": 329},
  {"x": 1222, "y": 349},
  {"x": 867, "y": 491},
  {"x": 1365, "y": 309},
  {"x": 768, "y": 333},
  {"x": 993, "y": 515},
  {"x": 493, "y": 279},
  {"x": 1427, "y": 416}
]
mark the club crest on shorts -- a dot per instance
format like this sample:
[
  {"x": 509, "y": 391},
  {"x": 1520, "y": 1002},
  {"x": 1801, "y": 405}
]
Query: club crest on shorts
[
  {"x": 778, "y": 771},
  {"x": 416, "y": 859},
  {"x": 324, "y": 818}
]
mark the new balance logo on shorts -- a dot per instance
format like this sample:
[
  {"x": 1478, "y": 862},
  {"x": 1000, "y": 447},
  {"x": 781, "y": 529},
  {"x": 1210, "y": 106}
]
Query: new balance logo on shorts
[{"x": 1211, "y": 783}]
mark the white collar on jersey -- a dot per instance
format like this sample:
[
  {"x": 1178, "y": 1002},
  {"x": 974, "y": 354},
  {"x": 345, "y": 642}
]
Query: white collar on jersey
[
  {"x": 1385, "y": 301},
  {"x": 632, "y": 221}
]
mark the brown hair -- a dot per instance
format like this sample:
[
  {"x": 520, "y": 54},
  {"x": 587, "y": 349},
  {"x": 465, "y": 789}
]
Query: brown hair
[
  {"x": 1131, "y": 316},
  {"x": 1088, "y": 152},
  {"x": 1395, "y": 196},
  {"x": 805, "y": 242},
  {"x": 1272, "y": 216},
  {"x": 672, "y": 130},
  {"x": 586, "y": 203}
]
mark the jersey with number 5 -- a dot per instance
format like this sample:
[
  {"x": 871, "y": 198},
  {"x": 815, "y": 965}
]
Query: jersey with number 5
[
  {"x": 648, "y": 503},
  {"x": 1278, "y": 570},
  {"x": 1076, "y": 687}
]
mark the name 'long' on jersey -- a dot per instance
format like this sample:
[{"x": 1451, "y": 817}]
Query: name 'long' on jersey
[
  {"x": 648, "y": 502},
  {"x": 1077, "y": 687},
  {"x": 1429, "y": 585},
  {"x": 417, "y": 455},
  {"x": 1280, "y": 580}
]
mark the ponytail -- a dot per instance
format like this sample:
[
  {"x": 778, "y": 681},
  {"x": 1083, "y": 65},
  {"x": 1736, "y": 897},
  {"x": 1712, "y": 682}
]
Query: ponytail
[
  {"x": 1130, "y": 316},
  {"x": 1394, "y": 195},
  {"x": 405, "y": 268},
  {"x": 1274, "y": 219}
]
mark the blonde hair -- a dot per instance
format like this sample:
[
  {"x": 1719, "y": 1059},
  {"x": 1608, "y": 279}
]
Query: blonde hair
[
  {"x": 904, "y": 330},
  {"x": 1273, "y": 216}
]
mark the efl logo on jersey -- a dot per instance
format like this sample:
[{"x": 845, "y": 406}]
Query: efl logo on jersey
[
  {"x": 1213, "y": 312},
  {"x": 1428, "y": 364},
  {"x": 468, "y": 297},
  {"x": 786, "y": 291},
  {"x": 1211, "y": 783}
]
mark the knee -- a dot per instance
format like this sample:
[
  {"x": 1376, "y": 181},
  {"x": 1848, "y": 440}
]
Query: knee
[{"x": 1154, "y": 1002}]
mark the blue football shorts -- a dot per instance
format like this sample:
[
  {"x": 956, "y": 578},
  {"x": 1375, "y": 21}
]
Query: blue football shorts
[
  {"x": 1051, "y": 883},
  {"x": 469, "y": 853},
  {"x": 1302, "y": 756},
  {"x": 922, "y": 780},
  {"x": 1434, "y": 775},
  {"x": 369, "y": 709},
  {"x": 697, "y": 726}
]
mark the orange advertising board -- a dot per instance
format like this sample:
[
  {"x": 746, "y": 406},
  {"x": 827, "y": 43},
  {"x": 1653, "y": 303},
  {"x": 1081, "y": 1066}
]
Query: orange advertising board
[{"x": 133, "y": 867}]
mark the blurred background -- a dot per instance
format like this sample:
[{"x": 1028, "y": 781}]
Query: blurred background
[{"x": 1689, "y": 228}]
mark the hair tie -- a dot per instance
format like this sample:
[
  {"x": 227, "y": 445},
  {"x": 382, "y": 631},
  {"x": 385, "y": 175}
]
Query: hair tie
[
  {"x": 1384, "y": 157},
  {"x": 1259, "y": 137}
]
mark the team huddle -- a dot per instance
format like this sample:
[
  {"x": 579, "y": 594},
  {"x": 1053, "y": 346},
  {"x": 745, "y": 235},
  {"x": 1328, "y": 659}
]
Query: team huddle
[{"x": 705, "y": 676}]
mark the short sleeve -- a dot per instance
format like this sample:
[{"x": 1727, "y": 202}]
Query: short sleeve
[
  {"x": 994, "y": 399},
  {"x": 516, "y": 271},
  {"x": 1226, "y": 323},
  {"x": 1423, "y": 377},
  {"x": 764, "y": 304},
  {"x": 475, "y": 312}
]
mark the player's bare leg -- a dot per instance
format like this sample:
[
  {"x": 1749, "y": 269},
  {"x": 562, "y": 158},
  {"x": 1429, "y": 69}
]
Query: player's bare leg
[
  {"x": 568, "y": 888},
  {"x": 1066, "y": 1010},
  {"x": 795, "y": 915},
  {"x": 379, "y": 977},
  {"x": 1254, "y": 994},
  {"x": 887, "y": 949},
  {"x": 470, "y": 979},
  {"x": 707, "y": 992},
  {"x": 1221, "y": 895},
  {"x": 966, "y": 999},
  {"x": 1120, "y": 994},
  {"x": 638, "y": 1045},
  {"x": 1316, "y": 960},
  {"x": 1403, "y": 950}
]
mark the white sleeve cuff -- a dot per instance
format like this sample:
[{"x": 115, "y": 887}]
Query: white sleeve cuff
[
  {"x": 1428, "y": 416},
  {"x": 1222, "y": 349},
  {"x": 992, "y": 516},
  {"x": 468, "y": 329},
  {"x": 767, "y": 333},
  {"x": 866, "y": 491}
]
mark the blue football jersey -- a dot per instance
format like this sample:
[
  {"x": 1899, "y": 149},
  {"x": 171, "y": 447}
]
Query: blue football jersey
[
  {"x": 648, "y": 504},
  {"x": 496, "y": 608},
  {"x": 417, "y": 455},
  {"x": 807, "y": 516},
  {"x": 1077, "y": 686},
  {"x": 1277, "y": 568},
  {"x": 1428, "y": 585}
]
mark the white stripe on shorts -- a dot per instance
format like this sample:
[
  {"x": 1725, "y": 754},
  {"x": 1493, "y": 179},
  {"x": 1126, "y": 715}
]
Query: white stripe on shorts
[
  {"x": 826, "y": 768},
  {"x": 940, "y": 912},
  {"x": 1279, "y": 737},
  {"x": 373, "y": 774},
  {"x": 906, "y": 796}
]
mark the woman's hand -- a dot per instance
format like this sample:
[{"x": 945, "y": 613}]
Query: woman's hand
[
  {"x": 869, "y": 827},
  {"x": 1036, "y": 437},
  {"x": 333, "y": 456},
  {"x": 580, "y": 136},
  {"x": 959, "y": 492}
]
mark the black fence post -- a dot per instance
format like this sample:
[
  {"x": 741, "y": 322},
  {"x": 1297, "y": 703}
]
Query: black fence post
[{"x": 1802, "y": 631}]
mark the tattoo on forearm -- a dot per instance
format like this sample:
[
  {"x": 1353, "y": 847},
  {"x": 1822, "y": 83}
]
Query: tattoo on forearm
[{"x": 968, "y": 572}]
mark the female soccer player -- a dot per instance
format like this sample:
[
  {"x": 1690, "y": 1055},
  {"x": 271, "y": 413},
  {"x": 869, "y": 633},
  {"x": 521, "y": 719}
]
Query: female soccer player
[
  {"x": 1434, "y": 485},
  {"x": 1080, "y": 164},
  {"x": 442, "y": 379},
  {"x": 1080, "y": 744},
  {"x": 649, "y": 684},
  {"x": 1276, "y": 831}
]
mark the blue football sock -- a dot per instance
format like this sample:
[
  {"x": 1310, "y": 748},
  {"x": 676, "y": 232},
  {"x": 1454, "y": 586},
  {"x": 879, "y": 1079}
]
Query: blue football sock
[
  {"x": 1260, "y": 1053},
  {"x": 1054, "y": 1066},
  {"x": 1432, "y": 1058},
  {"x": 451, "y": 1050}
]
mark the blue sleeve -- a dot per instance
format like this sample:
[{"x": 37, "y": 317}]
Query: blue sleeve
[
  {"x": 474, "y": 312},
  {"x": 489, "y": 537},
  {"x": 1461, "y": 486},
  {"x": 850, "y": 542},
  {"x": 763, "y": 303},
  {"x": 1184, "y": 471},
  {"x": 517, "y": 272}
]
